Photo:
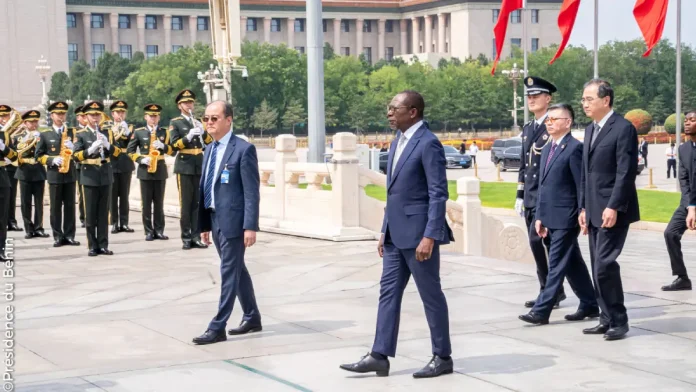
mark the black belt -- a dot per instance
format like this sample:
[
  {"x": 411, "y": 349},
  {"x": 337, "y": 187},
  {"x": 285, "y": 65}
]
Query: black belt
[{"x": 211, "y": 210}]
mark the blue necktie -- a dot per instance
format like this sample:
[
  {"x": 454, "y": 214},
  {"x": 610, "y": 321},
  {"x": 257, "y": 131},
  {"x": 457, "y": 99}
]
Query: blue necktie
[{"x": 210, "y": 177}]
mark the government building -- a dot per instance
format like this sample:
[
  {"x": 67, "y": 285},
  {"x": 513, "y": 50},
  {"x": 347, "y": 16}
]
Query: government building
[{"x": 65, "y": 31}]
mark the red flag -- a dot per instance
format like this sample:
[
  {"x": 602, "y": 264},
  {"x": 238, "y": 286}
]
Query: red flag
[
  {"x": 566, "y": 20},
  {"x": 501, "y": 25},
  {"x": 650, "y": 15}
]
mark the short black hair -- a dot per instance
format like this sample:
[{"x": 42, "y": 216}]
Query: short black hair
[
  {"x": 566, "y": 107},
  {"x": 414, "y": 100},
  {"x": 603, "y": 89}
]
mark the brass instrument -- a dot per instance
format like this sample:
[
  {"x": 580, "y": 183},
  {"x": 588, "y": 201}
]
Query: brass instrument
[
  {"x": 65, "y": 153},
  {"x": 25, "y": 142},
  {"x": 118, "y": 130},
  {"x": 153, "y": 153},
  {"x": 13, "y": 125}
]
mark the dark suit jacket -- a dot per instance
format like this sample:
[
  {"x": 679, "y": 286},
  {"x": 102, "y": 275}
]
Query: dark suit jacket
[
  {"x": 238, "y": 200},
  {"x": 609, "y": 172},
  {"x": 417, "y": 192},
  {"x": 558, "y": 200},
  {"x": 644, "y": 149},
  {"x": 49, "y": 147},
  {"x": 530, "y": 163},
  {"x": 686, "y": 174}
]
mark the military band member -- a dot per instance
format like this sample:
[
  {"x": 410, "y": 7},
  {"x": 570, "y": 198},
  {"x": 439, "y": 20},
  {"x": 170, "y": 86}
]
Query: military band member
[
  {"x": 188, "y": 139},
  {"x": 123, "y": 169},
  {"x": 141, "y": 149},
  {"x": 11, "y": 168},
  {"x": 54, "y": 150},
  {"x": 94, "y": 149},
  {"x": 31, "y": 175},
  {"x": 7, "y": 154},
  {"x": 534, "y": 138},
  {"x": 81, "y": 118}
]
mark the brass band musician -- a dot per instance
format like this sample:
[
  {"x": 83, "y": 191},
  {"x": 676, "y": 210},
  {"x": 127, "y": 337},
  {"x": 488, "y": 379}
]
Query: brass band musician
[
  {"x": 7, "y": 154},
  {"x": 123, "y": 169}
]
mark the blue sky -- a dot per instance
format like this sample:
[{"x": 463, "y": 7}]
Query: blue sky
[{"x": 616, "y": 22}]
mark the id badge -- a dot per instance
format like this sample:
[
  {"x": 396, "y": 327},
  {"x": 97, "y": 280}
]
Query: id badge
[{"x": 225, "y": 176}]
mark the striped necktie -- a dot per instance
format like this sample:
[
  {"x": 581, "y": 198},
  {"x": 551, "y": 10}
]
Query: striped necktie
[{"x": 210, "y": 177}]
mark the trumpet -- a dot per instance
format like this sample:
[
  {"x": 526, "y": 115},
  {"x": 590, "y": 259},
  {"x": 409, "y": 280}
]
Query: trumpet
[
  {"x": 65, "y": 153},
  {"x": 153, "y": 154}
]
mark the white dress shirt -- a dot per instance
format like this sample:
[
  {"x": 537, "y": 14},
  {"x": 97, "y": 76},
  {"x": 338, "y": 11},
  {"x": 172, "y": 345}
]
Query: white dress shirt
[
  {"x": 218, "y": 160},
  {"x": 401, "y": 144}
]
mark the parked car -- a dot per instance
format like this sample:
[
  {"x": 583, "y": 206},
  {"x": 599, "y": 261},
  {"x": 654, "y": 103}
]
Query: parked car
[
  {"x": 383, "y": 159},
  {"x": 501, "y": 145},
  {"x": 510, "y": 158},
  {"x": 456, "y": 159}
]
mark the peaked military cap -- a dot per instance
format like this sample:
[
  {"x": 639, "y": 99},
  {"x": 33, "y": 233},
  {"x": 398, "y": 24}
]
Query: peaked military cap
[
  {"x": 80, "y": 110},
  {"x": 94, "y": 107},
  {"x": 536, "y": 86},
  {"x": 119, "y": 106},
  {"x": 31, "y": 115},
  {"x": 57, "y": 107},
  {"x": 185, "y": 96},
  {"x": 152, "y": 109},
  {"x": 5, "y": 109}
]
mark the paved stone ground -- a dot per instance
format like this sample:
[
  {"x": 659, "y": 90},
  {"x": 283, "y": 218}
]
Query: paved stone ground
[{"x": 125, "y": 322}]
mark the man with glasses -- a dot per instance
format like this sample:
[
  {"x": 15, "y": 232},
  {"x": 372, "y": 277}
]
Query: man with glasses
[
  {"x": 556, "y": 218},
  {"x": 609, "y": 201},
  {"x": 534, "y": 138}
]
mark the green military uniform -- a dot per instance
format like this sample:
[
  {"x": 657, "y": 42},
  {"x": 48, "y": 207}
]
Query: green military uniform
[
  {"x": 32, "y": 178},
  {"x": 152, "y": 185},
  {"x": 61, "y": 186},
  {"x": 123, "y": 171},
  {"x": 5, "y": 152},
  {"x": 96, "y": 177},
  {"x": 80, "y": 202},
  {"x": 188, "y": 167}
]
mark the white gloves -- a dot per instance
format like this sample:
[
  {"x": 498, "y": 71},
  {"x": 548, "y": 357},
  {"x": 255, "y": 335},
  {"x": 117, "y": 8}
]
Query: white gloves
[
  {"x": 69, "y": 144},
  {"x": 104, "y": 141},
  {"x": 194, "y": 132},
  {"x": 158, "y": 145},
  {"x": 145, "y": 161},
  {"x": 125, "y": 126},
  {"x": 8, "y": 161},
  {"x": 36, "y": 134},
  {"x": 519, "y": 207},
  {"x": 57, "y": 161},
  {"x": 2, "y": 144},
  {"x": 95, "y": 147}
]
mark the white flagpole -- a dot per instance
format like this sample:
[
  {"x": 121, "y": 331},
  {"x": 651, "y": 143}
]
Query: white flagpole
[
  {"x": 596, "y": 39},
  {"x": 679, "y": 84},
  {"x": 524, "y": 50}
]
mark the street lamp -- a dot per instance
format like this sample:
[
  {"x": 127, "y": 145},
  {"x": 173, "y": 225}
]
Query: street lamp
[
  {"x": 108, "y": 101},
  {"x": 43, "y": 69},
  {"x": 213, "y": 79},
  {"x": 514, "y": 74}
]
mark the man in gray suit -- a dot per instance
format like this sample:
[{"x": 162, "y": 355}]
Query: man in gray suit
[{"x": 229, "y": 189}]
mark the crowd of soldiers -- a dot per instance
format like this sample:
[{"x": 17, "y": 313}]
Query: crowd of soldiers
[{"x": 94, "y": 163}]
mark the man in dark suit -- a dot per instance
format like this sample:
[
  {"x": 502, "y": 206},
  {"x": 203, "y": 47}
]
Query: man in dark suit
[
  {"x": 609, "y": 202},
  {"x": 414, "y": 228},
  {"x": 229, "y": 191},
  {"x": 534, "y": 138},
  {"x": 644, "y": 150},
  {"x": 678, "y": 224},
  {"x": 557, "y": 219},
  {"x": 123, "y": 169}
]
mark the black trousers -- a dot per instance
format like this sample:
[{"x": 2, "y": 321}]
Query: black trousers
[
  {"x": 605, "y": 247},
  {"x": 81, "y": 200},
  {"x": 12, "y": 218},
  {"x": 540, "y": 250},
  {"x": 671, "y": 164},
  {"x": 119, "y": 198},
  {"x": 188, "y": 200},
  {"x": 32, "y": 191},
  {"x": 673, "y": 235},
  {"x": 62, "y": 210},
  {"x": 4, "y": 216},
  {"x": 96, "y": 199},
  {"x": 152, "y": 195}
]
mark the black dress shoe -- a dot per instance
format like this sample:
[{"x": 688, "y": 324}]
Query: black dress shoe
[
  {"x": 616, "y": 333},
  {"x": 187, "y": 245},
  {"x": 560, "y": 298},
  {"x": 127, "y": 229},
  {"x": 92, "y": 252},
  {"x": 582, "y": 314},
  {"x": 82, "y": 225},
  {"x": 160, "y": 236},
  {"x": 71, "y": 242},
  {"x": 149, "y": 237},
  {"x": 210, "y": 337},
  {"x": 436, "y": 367},
  {"x": 600, "y": 329},
  {"x": 4, "y": 257},
  {"x": 57, "y": 243},
  {"x": 29, "y": 235},
  {"x": 245, "y": 327},
  {"x": 14, "y": 227},
  {"x": 40, "y": 233},
  {"x": 105, "y": 251},
  {"x": 534, "y": 318},
  {"x": 368, "y": 364},
  {"x": 115, "y": 229},
  {"x": 198, "y": 244},
  {"x": 679, "y": 284}
]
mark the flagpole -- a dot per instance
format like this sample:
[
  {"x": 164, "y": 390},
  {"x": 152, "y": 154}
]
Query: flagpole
[
  {"x": 524, "y": 50},
  {"x": 596, "y": 39},
  {"x": 679, "y": 85}
]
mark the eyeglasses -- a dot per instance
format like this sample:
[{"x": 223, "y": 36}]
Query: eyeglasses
[
  {"x": 391, "y": 109},
  {"x": 210, "y": 118},
  {"x": 588, "y": 100},
  {"x": 549, "y": 120}
]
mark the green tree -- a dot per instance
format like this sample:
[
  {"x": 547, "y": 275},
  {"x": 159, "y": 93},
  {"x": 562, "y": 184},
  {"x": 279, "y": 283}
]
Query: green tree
[
  {"x": 640, "y": 119},
  {"x": 658, "y": 109},
  {"x": 294, "y": 115},
  {"x": 60, "y": 87},
  {"x": 265, "y": 118},
  {"x": 671, "y": 123}
]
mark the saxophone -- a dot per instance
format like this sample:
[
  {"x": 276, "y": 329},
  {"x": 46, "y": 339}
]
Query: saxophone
[
  {"x": 153, "y": 153},
  {"x": 65, "y": 153}
]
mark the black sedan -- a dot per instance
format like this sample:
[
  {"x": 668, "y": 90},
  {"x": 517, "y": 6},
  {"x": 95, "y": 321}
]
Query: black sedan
[
  {"x": 456, "y": 159},
  {"x": 510, "y": 158}
]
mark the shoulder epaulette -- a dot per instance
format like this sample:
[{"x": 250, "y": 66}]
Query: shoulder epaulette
[
  {"x": 80, "y": 130},
  {"x": 177, "y": 118},
  {"x": 140, "y": 129},
  {"x": 45, "y": 130}
]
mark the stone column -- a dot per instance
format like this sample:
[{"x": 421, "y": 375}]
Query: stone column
[
  {"x": 167, "y": 22},
  {"x": 243, "y": 28},
  {"x": 415, "y": 35},
  {"x": 141, "y": 32},
  {"x": 337, "y": 36},
  {"x": 469, "y": 234},
  {"x": 286, "y": 146},
  {"x": 344, "y": 180},
  {"x": 380, "y": 38},
  {"x": 403, "y": 28},
  {"x": 359, "y": 36},
  {"x": 441, "y": 33},
  {"x": 87, "y": 27},
  {"x": 113, "y": 22},
  {"x": 266, "y": 29},
  {"x": 428, "y": 45},
  {"x": 291, "y": 33},
  {"x": 193, "y": 28}
]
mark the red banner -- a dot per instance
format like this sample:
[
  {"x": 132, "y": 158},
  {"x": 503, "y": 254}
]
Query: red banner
[
  {"x": 501, "y": 25},
  {"x": 566, "y": 21},
  {"x": 650, "y": 15}
]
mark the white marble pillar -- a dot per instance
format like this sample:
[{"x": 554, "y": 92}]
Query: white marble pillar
[
  {"x": 167, "y": 22},
  {"x": 428, "y": 45},
  {"x": 267, "y": 29},
  {"x": 87, "y": 27},
  {"x": 359, "y": 36},
  {"x": 140, "y": 22},
  {"x": 441, "y": 33},
  {"x": 337, "y": 36},
  {"x": 113, "y": 23},
  {"x": 415, "y": 35},
  {"x": 380, "y": 38},
  {"x": 403, "y": 28},
  {"x": 243, "y": 27},
  {"x": 193, "y": 28},
  {"x": 291, "y": 33}
]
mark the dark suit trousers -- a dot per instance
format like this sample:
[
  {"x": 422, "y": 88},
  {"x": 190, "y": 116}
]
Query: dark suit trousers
[
  {"x": 97, "y": 215},
  {"x": 120, "y": 190},
  {"x": 540, "y": 248},
  {"x": 32, "y": 191},
  {"x": 152, "y": 196},
  {"x": 605, "y": 247},
  {"x": 236, "y": 281},
  {"x": 12, "y": 218},
  {"x": 62, "y": 210},
  {"x": 672, "y": 164},
  {"x": 397, "y": 267},
  {"x": 4, "y": 216},
  {"x": 673, "y": 235},
  {"x": 565, "y": 261},
  {"x": 188, "y": 200}
]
